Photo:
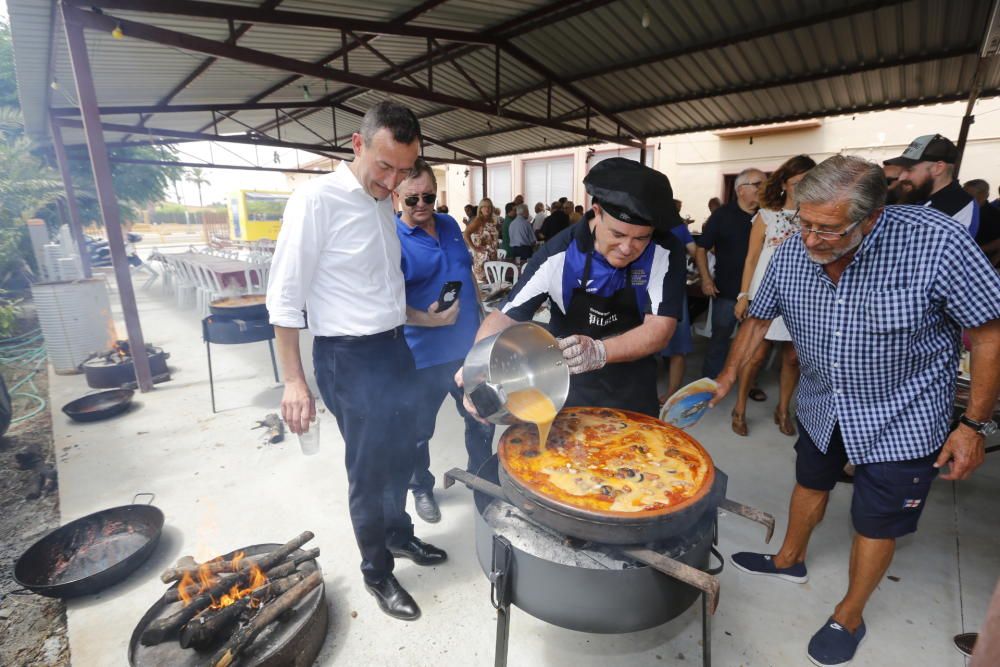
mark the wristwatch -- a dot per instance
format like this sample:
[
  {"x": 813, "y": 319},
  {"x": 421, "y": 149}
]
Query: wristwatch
[{"x": 986, "y": 428}]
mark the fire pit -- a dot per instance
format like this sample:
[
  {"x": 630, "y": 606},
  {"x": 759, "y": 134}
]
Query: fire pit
[
  {"x": 114, "y": 368},
  {"x": 269, "y": 613}
]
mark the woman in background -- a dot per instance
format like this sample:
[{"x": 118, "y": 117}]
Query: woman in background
[
  {"x": 481, "y": 235},
  {"x": 771, "y": 226}
]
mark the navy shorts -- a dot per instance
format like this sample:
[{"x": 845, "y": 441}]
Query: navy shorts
[{"x": 888, "y": 497}]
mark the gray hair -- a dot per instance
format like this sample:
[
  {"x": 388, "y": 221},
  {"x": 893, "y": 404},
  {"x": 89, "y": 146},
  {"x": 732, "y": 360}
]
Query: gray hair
[
  {"x": 398, "y": 119},
  {"x": 744, "y": 176},
  {"x": 422, "y": 168},
  {"x": 521, "y": 210},
  {"x": 981, "y": 187},
  {"x": 845, "y": 178}
]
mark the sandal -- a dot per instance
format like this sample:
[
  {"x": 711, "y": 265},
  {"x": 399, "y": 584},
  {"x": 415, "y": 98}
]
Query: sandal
[
  {"x": 740, "y": 424},
  {"x": 784, "y": 423},
  {"x": 757, "y": 394}
]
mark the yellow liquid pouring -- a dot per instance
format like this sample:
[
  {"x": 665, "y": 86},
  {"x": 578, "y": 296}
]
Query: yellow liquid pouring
[{"x": 531, "y": 405}]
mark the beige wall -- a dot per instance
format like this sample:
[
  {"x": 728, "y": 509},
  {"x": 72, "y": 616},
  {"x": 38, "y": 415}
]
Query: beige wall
[{"x": 696, "y": 162}]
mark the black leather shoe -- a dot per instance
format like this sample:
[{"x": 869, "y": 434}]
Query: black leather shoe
[
  {"x": 419, "y": 552},
  {"x": 426, "y": 506},
  {"x": 393, "y": 599}
]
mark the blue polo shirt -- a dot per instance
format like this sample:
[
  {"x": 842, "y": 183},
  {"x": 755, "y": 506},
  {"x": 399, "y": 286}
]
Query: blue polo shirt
[{"x": 427, "y": 264}]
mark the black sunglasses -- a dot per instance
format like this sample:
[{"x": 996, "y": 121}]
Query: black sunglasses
[{"x": 413, "y": 199}]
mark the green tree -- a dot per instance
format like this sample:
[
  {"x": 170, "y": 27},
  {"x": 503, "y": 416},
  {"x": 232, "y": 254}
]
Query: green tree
[
  {"x": 8, "y": 82},
  {"x": 197, "y": 177}
]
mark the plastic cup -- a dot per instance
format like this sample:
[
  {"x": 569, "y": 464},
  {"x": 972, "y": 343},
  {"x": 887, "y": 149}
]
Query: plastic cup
[{"x": 309, "y": 441}]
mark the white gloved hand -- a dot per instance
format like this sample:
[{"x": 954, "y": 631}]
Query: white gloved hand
[{"x": 583, "y": 353}]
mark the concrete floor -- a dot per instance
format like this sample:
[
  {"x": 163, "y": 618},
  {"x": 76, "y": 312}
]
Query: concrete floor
[{"x": 221, "y": 490}]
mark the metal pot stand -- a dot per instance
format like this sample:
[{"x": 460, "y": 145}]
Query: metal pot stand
[
  {"x": 235, "y": 332},
  {"x": 703, "y": 582}
]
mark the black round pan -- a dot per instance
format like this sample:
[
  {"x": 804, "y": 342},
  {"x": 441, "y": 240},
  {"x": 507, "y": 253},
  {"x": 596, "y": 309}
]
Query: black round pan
[
  {"x": 100, "y": 405},
  {"x": 91, "y": 553},
  {"x": 245, "y": 307}
]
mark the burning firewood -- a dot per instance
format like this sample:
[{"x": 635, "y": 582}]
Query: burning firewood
[
  {"x": 279, "y": 571},
  {"x": 243, "y": 637},
  {"x": 204, "y": 629},
  {"x": 247, "y": 570},
  {"x": 265, "y": 562}
]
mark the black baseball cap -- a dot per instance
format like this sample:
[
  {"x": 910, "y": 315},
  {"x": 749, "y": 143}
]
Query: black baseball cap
[
  {"x": 928, "y": 148},
  {"x": 633, "y": 193}
]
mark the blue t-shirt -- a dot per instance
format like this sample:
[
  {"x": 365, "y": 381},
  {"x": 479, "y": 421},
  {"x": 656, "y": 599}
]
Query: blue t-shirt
[{"x": 427, "y": 264}]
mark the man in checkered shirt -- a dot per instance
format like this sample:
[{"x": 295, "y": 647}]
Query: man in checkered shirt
[{"x": 875, "y": 299}]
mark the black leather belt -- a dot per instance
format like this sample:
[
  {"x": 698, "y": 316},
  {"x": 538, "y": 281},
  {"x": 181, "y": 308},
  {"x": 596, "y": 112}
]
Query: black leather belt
[{"x": 390, "y": 334}]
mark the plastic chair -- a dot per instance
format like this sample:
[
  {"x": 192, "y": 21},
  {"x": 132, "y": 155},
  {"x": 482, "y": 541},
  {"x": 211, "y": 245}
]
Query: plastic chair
[
  {"x": 496, "y": 272},
  {"x": 185, "y": 284}
]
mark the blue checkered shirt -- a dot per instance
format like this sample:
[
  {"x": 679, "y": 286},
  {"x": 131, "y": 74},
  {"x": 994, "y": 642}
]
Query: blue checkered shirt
[{"x": 879, "y": 350}]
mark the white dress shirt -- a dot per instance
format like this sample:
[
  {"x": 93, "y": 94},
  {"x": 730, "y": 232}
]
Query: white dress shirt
[{"x": 338, "y": 257}]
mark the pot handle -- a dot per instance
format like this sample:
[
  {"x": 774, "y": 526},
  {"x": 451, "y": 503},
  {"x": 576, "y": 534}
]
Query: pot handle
[
  {"x": 152, "y": 497},
  {"x": 474, "y": 482},
  {"x": 751, "y": 513},
  {"x": 703, "y": 581}
]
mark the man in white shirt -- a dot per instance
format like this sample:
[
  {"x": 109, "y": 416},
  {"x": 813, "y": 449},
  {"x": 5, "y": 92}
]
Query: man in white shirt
[{"x": 338, "y": 257}]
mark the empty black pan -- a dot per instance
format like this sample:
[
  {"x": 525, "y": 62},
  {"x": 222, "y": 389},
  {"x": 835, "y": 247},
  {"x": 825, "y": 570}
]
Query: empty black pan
[
  {"x": 100, "y": 405},
  {"x": 91, "y": 553}
]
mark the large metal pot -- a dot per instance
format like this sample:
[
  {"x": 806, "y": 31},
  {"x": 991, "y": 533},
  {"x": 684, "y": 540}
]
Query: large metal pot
[
  {"x": 598, "y": 600},
  {"x": 523, "y": 356}
]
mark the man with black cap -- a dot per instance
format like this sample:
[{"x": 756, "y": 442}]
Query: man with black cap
[
  {"x": 929, "y": 172},
  {"x": 616, "y": 283}
]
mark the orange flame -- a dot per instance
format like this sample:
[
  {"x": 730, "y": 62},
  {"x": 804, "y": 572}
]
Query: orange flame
[
  {"x": 183, "y": 588},
  {"x": 257, "y": 579}
]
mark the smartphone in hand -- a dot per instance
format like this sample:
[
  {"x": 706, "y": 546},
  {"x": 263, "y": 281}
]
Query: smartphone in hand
[{"x": 449, "y": 295}]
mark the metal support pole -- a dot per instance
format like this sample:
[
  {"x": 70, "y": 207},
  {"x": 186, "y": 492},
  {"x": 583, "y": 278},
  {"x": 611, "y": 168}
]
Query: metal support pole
[
  {"x": 75, "y": 225},
  {"x": 80, "y": 62},
  {"x": 485, "y": 180},
  {"x": 642, "y": 155}
]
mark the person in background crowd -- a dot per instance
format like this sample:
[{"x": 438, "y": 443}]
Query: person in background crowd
[
  {"x": 875, "y": 298},
  {"x": 713, "y": 204},
  {"x": 897, "y": 188},
  {"x": 481, "y": 235},
  {"x": 727, "y": 232},
  {"x": 442, "y": 209},
  {"x": 434, "y": 253},
  {"x": 522, "y": 236},
  {"x": 771, "y": 227},
  {"x": 928, "y": 169},
  {"x": 470, "y": 213},
  {"x": 571, "y": 212},
  {"x": 996, "y": 202},
  {"x": 555, "y": 223},
  {"x": 988, "y": 237},
  {"x": 518, "y": 200},
  {"x": 539, "y": 219},
  {"x": 505, "y": 227},
  {"x": 338, "y": 257}
]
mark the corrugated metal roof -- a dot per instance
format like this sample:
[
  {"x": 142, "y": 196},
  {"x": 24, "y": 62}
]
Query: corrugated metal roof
[{"x": 694, "y": 65}]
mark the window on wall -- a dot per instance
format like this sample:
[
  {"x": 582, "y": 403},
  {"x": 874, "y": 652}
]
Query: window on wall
[
  {"x": 547, "y": 180},
  {"x": 498, "y": 186}
]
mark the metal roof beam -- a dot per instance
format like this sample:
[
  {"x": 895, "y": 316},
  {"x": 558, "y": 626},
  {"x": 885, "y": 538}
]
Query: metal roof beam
[
  {"x": 749, "y": 87},
  {"x": 209, "y": 165},
  {"x": 226, "y": 12},
  {"x": 320, "y": 149},
  {"x": 188, "y": 42}
]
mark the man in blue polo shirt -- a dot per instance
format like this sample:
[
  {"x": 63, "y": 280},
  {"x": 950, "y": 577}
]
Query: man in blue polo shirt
[{"x": 434, "y": 253}]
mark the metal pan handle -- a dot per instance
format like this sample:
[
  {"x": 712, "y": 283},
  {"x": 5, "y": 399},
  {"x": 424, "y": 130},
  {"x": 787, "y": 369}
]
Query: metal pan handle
[
  {"x": 703, "y": 581},
  {"x": 718, "y": 568},
  {"x": 751, "y": 513},
  {"x": 152, "y": 497}
]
